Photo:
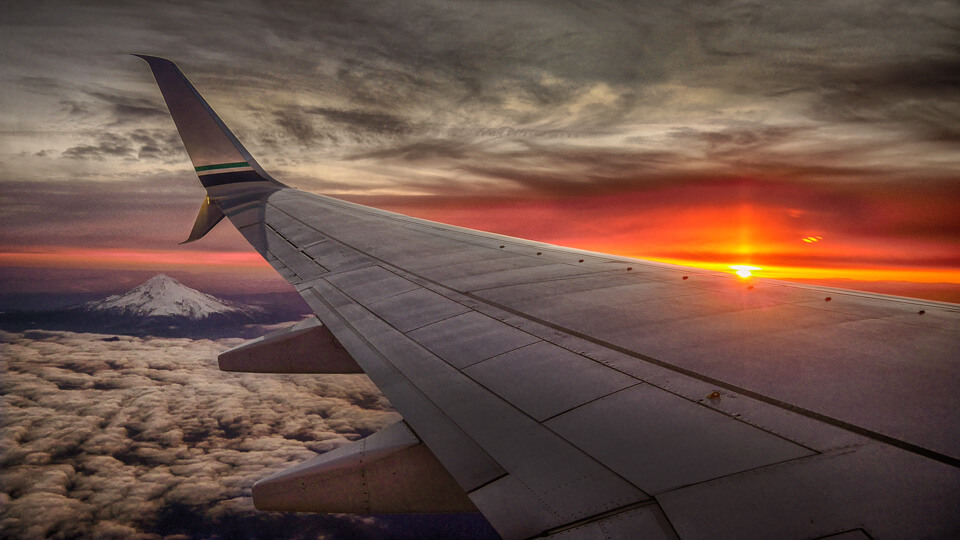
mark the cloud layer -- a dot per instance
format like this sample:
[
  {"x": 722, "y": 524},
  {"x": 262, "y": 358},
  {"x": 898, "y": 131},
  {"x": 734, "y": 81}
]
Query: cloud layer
[
  {"x": 491, "y": 101},
  {"x": 725, "y": 85},
  {"x": 124, "y": 437}
]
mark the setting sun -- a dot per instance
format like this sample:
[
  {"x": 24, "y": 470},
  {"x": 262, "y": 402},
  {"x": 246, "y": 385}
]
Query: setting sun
[{"x": 743, "y": 270}]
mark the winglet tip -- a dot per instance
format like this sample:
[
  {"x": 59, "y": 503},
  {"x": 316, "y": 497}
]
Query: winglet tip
[{"x": 151, "y": 60}]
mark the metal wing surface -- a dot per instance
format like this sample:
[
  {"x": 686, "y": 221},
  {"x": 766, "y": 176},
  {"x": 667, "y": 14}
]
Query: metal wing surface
[{"x": 583, "y": 395}]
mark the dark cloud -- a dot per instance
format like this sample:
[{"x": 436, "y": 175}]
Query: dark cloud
[
  {"x": 740, "y": 139},
  {"x": 423, "y": 150},
  {"x": 366, "y": 121},
  {"x": 107, "y": 145},
  {"x": 296, "y": 126},
  {"x": 124, "y": 136},
  {"x": 44, "y": 84},
  {"x": 128, "y": 436},
  {"x": 312, "y": 127},
  {"x": 75, "y": 108},
  {"x": 922, "y": 95},
  {"x": 158, "y": 144},
  {"x": 560, "y": 68},
  {"x": 544, "y": 166},
  {"x": 130, "y": 109},
  {"x": 142, "y": 144}
]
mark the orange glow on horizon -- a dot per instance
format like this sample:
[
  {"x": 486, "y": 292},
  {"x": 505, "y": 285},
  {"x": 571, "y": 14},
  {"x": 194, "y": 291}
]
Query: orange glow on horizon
[
  {"x": 781, "y": 228},
  {"x": 914, "y": 275},
  {"x": 242, "y": 261},
  {"x": 132, "y": 259}
]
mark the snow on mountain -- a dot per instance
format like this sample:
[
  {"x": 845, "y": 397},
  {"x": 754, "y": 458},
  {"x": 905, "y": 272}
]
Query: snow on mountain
[{"x": 163, "y": 296}]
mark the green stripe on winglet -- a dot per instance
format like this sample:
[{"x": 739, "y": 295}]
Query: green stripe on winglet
[{"x": 222, "y": 166}]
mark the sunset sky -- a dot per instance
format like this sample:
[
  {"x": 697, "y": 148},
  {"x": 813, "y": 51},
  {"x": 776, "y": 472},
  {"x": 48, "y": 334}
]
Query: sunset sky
[{"x": 811, "y": 140}]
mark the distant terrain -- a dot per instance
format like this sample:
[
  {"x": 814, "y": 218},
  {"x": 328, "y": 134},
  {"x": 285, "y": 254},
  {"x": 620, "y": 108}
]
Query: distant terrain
[{"x": 163, "y": 307}]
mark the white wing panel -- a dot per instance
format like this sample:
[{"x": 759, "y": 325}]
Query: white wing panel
[
  {"x": 472, "y": 337},
  {"x": 654, "y": 424},
  {"x": 371, "y": 284},
  {"x": 886, "y": 491},
  {"x": 883, "y": 368},
  {"x": 537, "y": 379},
  {"x": 415, "y": 309}
]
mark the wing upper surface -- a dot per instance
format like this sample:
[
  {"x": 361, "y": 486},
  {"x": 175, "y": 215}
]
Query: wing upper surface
[
  {"x": 579, "y": 394},
  {"x": 558, "y": 386},
  {"x": 860, "y": 359}
]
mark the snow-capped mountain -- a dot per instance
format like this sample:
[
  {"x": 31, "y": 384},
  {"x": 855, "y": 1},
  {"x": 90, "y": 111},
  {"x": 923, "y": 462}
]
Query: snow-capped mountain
[
  {"x": 162, "y": 306},
  {"x": 163, "y": 296}
]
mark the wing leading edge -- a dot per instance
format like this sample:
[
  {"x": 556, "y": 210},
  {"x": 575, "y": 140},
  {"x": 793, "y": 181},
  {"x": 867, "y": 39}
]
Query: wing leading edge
[{"x": 580, "y": 394}]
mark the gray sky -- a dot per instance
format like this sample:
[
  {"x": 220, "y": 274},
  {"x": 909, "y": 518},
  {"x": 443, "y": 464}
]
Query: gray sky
[{"x": 845, "y": 112}]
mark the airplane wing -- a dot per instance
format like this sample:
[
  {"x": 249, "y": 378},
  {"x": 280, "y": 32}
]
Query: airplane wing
[{"x": 572, "y": 394}]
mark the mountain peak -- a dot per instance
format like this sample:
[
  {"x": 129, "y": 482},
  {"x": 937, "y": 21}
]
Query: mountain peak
[
  {"x": 161, "y": 278},
  {"x": 163, "y": 296}
]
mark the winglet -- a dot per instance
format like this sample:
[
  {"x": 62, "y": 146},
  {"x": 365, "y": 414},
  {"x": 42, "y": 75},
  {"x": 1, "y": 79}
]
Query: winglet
[
  {"x": 217, "y": 155},
  {"x": 209, "y": 215}
]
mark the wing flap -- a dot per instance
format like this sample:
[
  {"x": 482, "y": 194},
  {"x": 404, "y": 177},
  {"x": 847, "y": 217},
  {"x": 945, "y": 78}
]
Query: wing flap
[
  {"x": 305, "y": 347},
  {"x": 388, "y": 472}
]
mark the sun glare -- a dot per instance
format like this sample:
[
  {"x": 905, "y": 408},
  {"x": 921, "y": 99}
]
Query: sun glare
[{"x": 743, "y": 270}]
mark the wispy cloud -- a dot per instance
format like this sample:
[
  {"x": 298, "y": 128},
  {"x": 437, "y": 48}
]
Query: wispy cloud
[
  {"x": 107, "y": 145},
  {"x": 521, "y": 100}
]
